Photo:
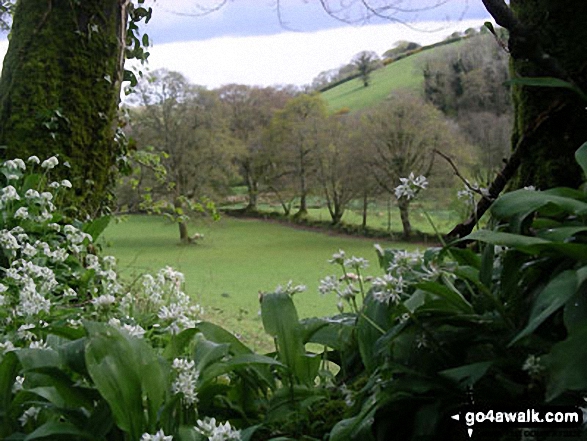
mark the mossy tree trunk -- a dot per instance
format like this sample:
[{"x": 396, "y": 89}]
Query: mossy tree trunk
[
  {"x": 60, "y": 90},
  {"x": 554, "y": 119}
]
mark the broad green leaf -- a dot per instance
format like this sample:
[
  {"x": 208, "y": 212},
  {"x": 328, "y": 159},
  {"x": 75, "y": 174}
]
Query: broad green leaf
[
  {"x": 554, "y": 295},
  {"x": 129, "y": 375},
  {"x": 375, "y": 316},
  {"x": 581, "y": 157},
  {"x": 335, "y": 332},
  {"x": 97, "y": 227},
  {"x": 179, "y": 343},
  {"x": 356, "y": 428},
  {"x": 207, "y": 352},
  {"x": 566, "y": 364},
  {"x": 280, "y": 320},
  {"x": 547, "y": 82},
  {"x": 560, "y": 234},
  {"x": 218, "y": 334},
  {"x": 522, "y": 243},
  {"x": 467, "y": 375},
  {"x": 38, "y": 358},
  {"x": 525, "y": 202},
  {"x": 58, "y": 430},
  {"x": 9, "y": 367},
  {"x": 465, "y": 256},
  {"x": 453, "y": 298}
]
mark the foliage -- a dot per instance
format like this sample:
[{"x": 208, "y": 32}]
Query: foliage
[
  {"x": 185, "y": 154},
  {"x": 84, "y": 356}
]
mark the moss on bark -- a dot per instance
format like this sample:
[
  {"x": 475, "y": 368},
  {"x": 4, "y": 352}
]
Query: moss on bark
[
  {"x": 560, "y": 115},
  {"x": 60, "y": 89}
]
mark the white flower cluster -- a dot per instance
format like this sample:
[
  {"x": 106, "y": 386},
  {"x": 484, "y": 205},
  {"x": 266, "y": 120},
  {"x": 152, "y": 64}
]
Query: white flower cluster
[
  {"x": 185, "y": 383},
  {"x": 290, "y": 289},
  {"x": 159, "y": 436},
  {"x": 107, "y": 277},
  {"x": 410, "y": 186},
  {"x": 132, "y": 330},
  {"x": 163, "y": 294},
  {"x": 217, "y": 432},
  {"x": 388, "y": 288}
]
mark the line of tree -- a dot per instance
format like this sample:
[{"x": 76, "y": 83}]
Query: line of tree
[{"x": 282, "y": 146}]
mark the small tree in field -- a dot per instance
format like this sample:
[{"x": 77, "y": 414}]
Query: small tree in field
[
  {"x": 365, "y": 62},
  {"x": 403, "y": 133},
  {"x": 186, "y": 127}
]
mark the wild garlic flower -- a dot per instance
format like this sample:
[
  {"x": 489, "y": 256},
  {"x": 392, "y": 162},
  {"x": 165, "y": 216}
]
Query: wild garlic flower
[
  {"x": 30, "y": 414},
  {"x": 18, "y": 384},
  {"x": 290, "y": 289},
  {"x": 410, "y": 186},
  {"x": 104, "y": 301},
  {"x": 329, "y": 284},
  {"x": 50, "y": 163},
  {"x": 14, "y": 164},
  {"x": 217, "y": 432},
  {"x": 185, "y": 382},
  {"x": 22, "y": 213},
  {"x": 357, "y": 263},
  {"x": 388, "y": 288},
  {"x": 159, "y": 436},
  {"x": 34, "y": 160},
  {"x": 66, "y": 183},
  {"x": 338, "y": 258},
  {"x": 533, "y": 366}
]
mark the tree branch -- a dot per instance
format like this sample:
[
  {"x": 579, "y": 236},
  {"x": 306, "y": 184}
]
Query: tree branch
[{"x": 522, "y": 149}]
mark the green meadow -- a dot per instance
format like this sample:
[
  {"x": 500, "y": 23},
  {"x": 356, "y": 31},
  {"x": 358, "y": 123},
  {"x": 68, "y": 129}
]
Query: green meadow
[
  {"x": 404, "y": 74},
  {"x": 237, "y": 259}
]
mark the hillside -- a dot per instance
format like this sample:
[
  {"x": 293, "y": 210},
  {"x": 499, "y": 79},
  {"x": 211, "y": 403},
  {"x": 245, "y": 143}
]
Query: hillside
[{"x": 402, "y": 74}]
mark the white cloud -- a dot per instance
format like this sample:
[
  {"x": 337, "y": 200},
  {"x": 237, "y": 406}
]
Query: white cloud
[{"x": 286, "y": 58}]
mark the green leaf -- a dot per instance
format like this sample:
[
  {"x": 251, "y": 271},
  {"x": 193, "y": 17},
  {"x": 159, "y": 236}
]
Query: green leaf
[
  {"x": 145, "y": 40},
  {"x": 218, "y": 334},
  {"x": 280, "y": 320},
  {"x": 467, "y": 375},
  {"x": 547, "y": 82},
  {"x": 56, "y": 430},
  {"x": 9, "y": 367},
  {"x": 581, "y": 158},
  {"x": 453, "y": 298},
  {"x": 554, "y": 295},
  {"x": 566, "y": 364},
  {"x": 97, "y": 227},
  {"x": 560, "y": 234},
  {"x": 517, "y": 241},
  {"x": 525, "y": 202},
  {"x": 128, "y": 374}
]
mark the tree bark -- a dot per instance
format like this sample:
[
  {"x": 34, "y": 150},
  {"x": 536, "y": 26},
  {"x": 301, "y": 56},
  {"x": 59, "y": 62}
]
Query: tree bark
[
  {"x": 550, "y": 42},
  {"x": 365, "y": 208},
  {"x": 60, "y": 90},
  {"x": 403, "y": 206}
]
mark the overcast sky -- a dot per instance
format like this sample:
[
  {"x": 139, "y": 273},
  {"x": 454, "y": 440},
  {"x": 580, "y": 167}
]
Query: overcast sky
[{"x": 251, "y": 42}]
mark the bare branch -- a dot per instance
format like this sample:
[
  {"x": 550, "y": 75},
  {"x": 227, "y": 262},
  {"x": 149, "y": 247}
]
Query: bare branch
[
  {"x": 458, "y": 173},
  {"x": 522, "y": 149}
]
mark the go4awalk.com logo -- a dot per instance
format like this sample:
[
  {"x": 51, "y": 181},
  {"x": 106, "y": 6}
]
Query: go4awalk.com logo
[{"x": 549, "y": 418}]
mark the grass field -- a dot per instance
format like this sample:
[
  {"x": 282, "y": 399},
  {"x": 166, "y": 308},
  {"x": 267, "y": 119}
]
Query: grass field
[
  {"x": 403, "y": 74},
  {"x": 237, "y": 259}
]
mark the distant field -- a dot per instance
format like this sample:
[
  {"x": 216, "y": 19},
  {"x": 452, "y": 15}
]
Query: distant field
[
  {"x": 237, "y": 259},
  {"x": 403, "y": 74}
]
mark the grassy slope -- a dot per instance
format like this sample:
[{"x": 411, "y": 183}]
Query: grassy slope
[
  {"x": 403, "y": 74},
  {"x": 236, "y": 260}
]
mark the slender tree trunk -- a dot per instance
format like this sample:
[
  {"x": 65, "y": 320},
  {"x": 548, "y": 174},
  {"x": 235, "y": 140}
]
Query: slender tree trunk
[
  {"x": 365, "y": 207},
  {"x": 183, "y": 228},
  {"x": 559, "y": 29},
  {"x": 60, "y": 89},
  {"x": 253, "y": 191},
  {"x": 403, "y": 206}
]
